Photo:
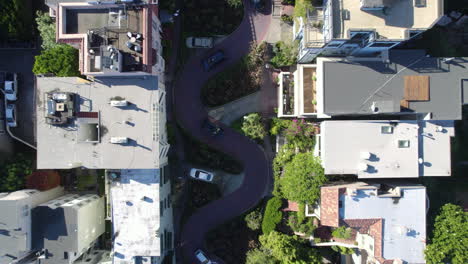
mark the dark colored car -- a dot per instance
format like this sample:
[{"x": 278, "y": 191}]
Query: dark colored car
[
  {"x": 212, "y": 60},
  {"x": 213, "y": 128}
]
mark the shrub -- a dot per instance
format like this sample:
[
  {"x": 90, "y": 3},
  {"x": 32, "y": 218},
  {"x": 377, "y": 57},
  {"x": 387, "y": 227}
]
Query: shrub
[
  {"x": 234, "y": 3},
  {"x": 343, "y": 250},
  {"x": 449, "y": 243},
  {"x": 272, "y": 215},
  {"x": 302, "y": 179},
  {"x": 287, "y": 19},
  {"x": 61, "y": 60},
  {"x": 15, "y": 20},
  {"x": 306, "y": 226},
  {"x": 301, "y": 212},
  {"x": 278, "y": 124},
  {"x": 301, "y": 134},
  {"x": 285, "y": 54},
  {"x": 46, "y": 27},
  {"x": 342, "y": 232},
  {"x": 260, "y": 256},
  {"x": 289, "y": 249},
  {"x": 253, "y": 127},
  {"x": 13, "y": 173},
  {"x": 254, "y": 219},
  {"x": 301, "y": 7}
]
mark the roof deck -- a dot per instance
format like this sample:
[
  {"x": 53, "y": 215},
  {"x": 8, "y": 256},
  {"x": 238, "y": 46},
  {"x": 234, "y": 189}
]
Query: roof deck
[
  {"x": 116, "y": 124},
  {"x": 390, "y": 19}
]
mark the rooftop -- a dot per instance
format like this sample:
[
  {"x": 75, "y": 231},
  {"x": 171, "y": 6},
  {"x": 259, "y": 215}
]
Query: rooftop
[
  {"x": 371, "y": 86},
  {"x": 389, "y": 18},
  {"x": 136, "y": 215},
  {"x": 386, "y": 149},
  {"x": 402, "y": 233},
  {"x": 116, "y": 124}
]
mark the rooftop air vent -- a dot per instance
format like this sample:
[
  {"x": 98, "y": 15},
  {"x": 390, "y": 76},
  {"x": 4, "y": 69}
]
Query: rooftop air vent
[
  {"x": 119, "y": 140},
  {"x": 118, "y": 103}
]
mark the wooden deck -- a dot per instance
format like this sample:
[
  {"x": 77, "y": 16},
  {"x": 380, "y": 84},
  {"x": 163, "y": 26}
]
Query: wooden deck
[
  {"x": 416, "y": 89},
  {"x": 309, "y": 90}
]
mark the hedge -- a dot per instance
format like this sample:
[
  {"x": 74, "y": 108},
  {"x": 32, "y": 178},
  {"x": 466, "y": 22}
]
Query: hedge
[{"x": 272, "y": 215}]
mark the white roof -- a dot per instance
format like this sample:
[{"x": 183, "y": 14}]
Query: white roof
[
  {"x": 142, "y": 122},
  {"x": 135, "y": 215},
  {"x": 343, "y": 144},
  {"x": 404, "y": 220}
]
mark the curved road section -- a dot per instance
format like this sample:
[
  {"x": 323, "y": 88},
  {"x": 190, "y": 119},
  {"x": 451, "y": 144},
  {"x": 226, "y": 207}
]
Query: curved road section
[{"x": 191, "y": 113}]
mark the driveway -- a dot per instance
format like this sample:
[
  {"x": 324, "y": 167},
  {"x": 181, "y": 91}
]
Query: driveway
[
  {"x": 21, "y": 61},
  {"x": 190, "y": 113}
]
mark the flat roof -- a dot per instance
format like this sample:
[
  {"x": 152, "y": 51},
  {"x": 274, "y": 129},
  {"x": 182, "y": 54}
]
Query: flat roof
[
  {"x": 389, "y": 22},
  {"x": 353, "y": 87},
  {"x": 58, "y": 147},
  {"x": 136, "y": 215},
  {"x": 404, "y": 220},
  {"x": 344, "y": 143}
]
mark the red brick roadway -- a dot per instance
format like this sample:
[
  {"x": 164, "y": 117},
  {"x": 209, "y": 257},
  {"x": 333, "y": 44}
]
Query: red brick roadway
[{"x": 190, "y": 114}]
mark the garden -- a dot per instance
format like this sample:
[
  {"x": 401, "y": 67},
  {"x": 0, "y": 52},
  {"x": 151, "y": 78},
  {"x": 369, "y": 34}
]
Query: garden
[{"x": 239, "y": 80}]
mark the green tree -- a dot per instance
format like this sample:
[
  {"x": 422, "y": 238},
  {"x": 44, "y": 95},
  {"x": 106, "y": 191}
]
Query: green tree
[
  {"x": 260, "y": 256},
  {"x": 253, "y": 126},
  {"x": 61, "y": 60},
  {"x": 15, "y": 20},
  {"x": 301, "y": 7},
  {"x": 343, "y": 250},
  {"x": 254, "y": 219},
  {"x": 289, "y": 249},
  {"x": 13, "y": 173},
  {"x": 46, "y": 27},
  {"x": 342, "y": 232},
  {"x": 449, "y": 243},
  {"x": 302, "y": 179},
  {"x": 234, "y": 3},
  {"x": 272, "y": 215},
  {"x": 285, "y": 54}
]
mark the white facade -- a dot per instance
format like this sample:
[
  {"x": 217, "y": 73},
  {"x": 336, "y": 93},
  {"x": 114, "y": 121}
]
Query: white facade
[{"x": 15, "y": 220}]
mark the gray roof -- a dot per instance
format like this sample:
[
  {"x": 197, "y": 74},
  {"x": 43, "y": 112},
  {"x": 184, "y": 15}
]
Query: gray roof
[
  {"x": 352, "y": 87},
  {"x": 70, "y": 223}
]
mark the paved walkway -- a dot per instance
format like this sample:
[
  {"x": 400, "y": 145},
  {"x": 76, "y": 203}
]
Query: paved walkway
[
  {"x": 190, "y": 113},
  {"x": 234, "y": 110}
]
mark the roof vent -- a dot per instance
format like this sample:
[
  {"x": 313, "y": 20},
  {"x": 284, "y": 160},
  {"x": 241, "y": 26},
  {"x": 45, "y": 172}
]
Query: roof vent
[
  {"x": 119, "y": 140},
  {"x": 118, "y": 103},
  {"x": 374, "y": 108},
  {"x": 439, "y": 129}
]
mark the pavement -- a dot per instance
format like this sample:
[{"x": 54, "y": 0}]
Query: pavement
[
  {"x": 190, "y": 113},
  {"x": 236, "y": 109}
]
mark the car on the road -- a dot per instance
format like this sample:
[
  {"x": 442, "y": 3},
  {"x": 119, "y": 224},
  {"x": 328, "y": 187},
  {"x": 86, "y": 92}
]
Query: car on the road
[
  {"x": 212, "y": 60},
  {"x": 201, "y": 175},
  {"x": 11, "y": 87},
  {"x": 202, "y": 42},
  {"x": 10, "y": 113},
  {"x": 201, "y": 256},
  {"x": 214, "y": 129}
]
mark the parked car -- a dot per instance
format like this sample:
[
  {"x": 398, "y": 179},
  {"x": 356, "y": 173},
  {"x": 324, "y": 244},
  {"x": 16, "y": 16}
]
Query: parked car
[
  {"x": 213, "y": 128},
  {"x": 11, "y": 87},
  {"x": 194, "y": 42},
  {"x": 10, "y": 114},
  {"x": 201, "y": 175},
  {"x": 214, "y": 59},
  {"x": 200, "y": 255}
]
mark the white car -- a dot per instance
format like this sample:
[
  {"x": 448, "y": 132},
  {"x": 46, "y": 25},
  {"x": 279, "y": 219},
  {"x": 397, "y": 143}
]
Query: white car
[
  {"x": 200, "y": 255},
  {"x": 193, "y": 42},
  {"x": 10, "y": 114},
  {"x": 11, "y": 87},
  {"x": 201, "y": 175}
]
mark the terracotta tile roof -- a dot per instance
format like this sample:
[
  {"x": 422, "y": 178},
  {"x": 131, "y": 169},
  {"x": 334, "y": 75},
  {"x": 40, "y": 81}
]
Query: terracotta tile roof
[
  {"x": 360, "y": 225},
  {"x": 329, "y": 206},
  {"x": 292, "y": 207}
]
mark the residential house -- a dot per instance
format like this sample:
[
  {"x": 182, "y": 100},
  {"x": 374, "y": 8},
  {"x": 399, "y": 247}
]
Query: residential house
[
  {"x": 362, "y": 27},
  {"x": 386, "y": 149},
  {"x": 113, "y": 37},
  {"x": 387, "y": 222},
  {"x": 141, "y": 216},
  {"x": 405, "y": 83},
  {"x": 15, "y": 221},
  {"x": 110, "y": 123},
  {"x": 68, "y": 227}
]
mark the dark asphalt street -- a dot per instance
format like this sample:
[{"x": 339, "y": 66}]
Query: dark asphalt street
[{"x": 190, "y": 113}]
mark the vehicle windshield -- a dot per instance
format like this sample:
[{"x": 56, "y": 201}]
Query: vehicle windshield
[
  {"x": 9, "y": 119},
  {"x": 197, "y": 174}
]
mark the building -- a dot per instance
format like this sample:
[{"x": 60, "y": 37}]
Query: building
[
  {"x": 142, "y": 215},
  {"x": 387, "y": 222},
  {"x": 68, "y": 227},
  {"x": 15, "y": 221},
  {"x": 386, "y": 149},
  {"x": 408, "y": 83},
  {"x": 109, "y": 123},
  {"x": 362, "y": 28},
  {"x": 113, "y": 37}
]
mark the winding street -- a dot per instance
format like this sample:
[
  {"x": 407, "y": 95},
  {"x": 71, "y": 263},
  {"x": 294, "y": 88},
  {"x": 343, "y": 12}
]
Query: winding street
[{"x": 191, "y": 113}]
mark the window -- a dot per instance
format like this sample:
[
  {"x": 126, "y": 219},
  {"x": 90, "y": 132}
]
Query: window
[
  {"x": 403, "y": 144},
  {"x": 65, "y": 255},
  {"x": 382, "y": 44},
  {"x": 340, "y": 204},
  {"x": 161, "y": 208},
  {"x": 420, "y": 3},
  {"x": 386, "y": 130}
]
